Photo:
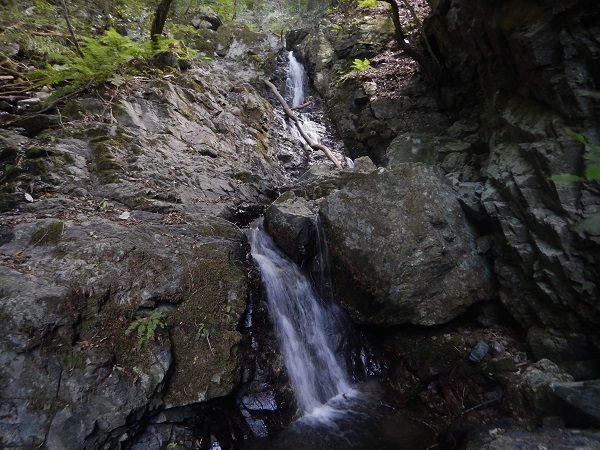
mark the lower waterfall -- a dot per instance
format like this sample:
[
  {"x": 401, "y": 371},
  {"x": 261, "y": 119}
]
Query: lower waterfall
[
  {"x": 335, "y": 413},
  {"x": 304, "y": 325}
]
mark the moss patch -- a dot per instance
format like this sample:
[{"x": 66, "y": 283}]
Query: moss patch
[{"x": 48, "y": 235}]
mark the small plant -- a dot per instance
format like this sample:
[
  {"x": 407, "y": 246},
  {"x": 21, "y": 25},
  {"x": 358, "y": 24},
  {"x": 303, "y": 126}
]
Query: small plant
[
  {"x": 358, "y": 65},
  {"x": 105, "y": 204},
  {"x": 146, "y": 328},
  {"x": 592, "y": 172},
  {"x": 367, "y": 3},
  {"x": 205, "y": 333}
]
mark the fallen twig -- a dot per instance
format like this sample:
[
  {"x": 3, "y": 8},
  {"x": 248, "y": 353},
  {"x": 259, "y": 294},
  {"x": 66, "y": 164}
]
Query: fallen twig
[
  {"x": 303, "y": 105},
  {"x": 296, "y": 120}
]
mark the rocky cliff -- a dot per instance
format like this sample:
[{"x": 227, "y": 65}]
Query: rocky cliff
[
  {"x": 124, "y": 278},
  {"x": 515, "y": 78}
]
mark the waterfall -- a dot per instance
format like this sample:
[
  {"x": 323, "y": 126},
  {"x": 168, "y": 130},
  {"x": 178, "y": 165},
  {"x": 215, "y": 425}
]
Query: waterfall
[
  {"x": 303, "y": 323},
  {"x": 296, "y": 78},
  {"x": 295, "y": 83}
]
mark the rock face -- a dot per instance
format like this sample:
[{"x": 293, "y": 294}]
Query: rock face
[
  {"x": 583, "y": 398},
  {"x": 516, "y": 79},
  {"x": 122, "y": 281},
  {"x": 532, "y": 391},
  {"x": 404, "y": 252},
  {"x": 367, "y": 115},
  {"x": 530, "y": 68},
  {"x": 555, "y": 439},
  {"x": 291, "y": 223}
]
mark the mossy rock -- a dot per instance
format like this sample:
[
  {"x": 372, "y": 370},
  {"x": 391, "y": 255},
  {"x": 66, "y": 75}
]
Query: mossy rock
[
  {"x": 50, "y": 234},
  {"x": 8, "y": 201},
  {"x": 38, "y": 152}
]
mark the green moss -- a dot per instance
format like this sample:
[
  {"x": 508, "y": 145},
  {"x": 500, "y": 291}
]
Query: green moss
[
  {"x": 288, "y": 195},
  {"x": 106, "y": 167},
  {"x": 48, "y": 235},
  {"x": 247, "y": 177},
  {"x": 73, "y": 358}
]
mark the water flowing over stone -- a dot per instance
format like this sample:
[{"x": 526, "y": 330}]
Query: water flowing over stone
[
  {"x": 295, "y": 81},
  {"x": 303, "y": 324}
]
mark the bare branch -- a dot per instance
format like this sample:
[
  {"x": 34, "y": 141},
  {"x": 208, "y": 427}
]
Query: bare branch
[{"x": 296, "y": 120}]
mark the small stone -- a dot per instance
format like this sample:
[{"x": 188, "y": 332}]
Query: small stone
[{"x": 479, "y": 352}]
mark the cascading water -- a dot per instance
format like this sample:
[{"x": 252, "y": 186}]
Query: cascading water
[
  {"x": 317, "y": 349},
  {"x": 295, "y": 80},
  {"x": 295, "y": 84},
  {"x": 303, "y": 324},
  {"x": 310, "y": 331}
]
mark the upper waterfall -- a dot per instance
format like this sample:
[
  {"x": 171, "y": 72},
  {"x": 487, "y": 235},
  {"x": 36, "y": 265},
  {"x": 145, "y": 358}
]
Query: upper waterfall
[{"x": 295, "y": 81}]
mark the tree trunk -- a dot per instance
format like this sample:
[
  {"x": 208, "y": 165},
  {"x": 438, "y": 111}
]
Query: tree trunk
[
  {"x": 400, "y": 37},
  {"x": 158, "y": 24}
]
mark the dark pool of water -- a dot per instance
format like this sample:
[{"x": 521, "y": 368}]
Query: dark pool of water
[{"x": 359, "y": 419}]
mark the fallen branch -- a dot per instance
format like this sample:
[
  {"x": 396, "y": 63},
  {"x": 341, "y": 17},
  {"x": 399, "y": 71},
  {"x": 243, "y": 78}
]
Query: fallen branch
[
  {"x": 303, "y": 105},
  {"x": 51, "y": 33},
  {"x": 296, "y": 120}
]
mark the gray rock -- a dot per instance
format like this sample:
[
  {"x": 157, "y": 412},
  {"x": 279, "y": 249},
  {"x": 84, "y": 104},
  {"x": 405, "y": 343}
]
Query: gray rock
[
  {"x": 205, "y": 14},
  {"x": 479, "y": 352},
  {"x": 531, "y": 391},
  {"x": 583, "y": 399},
  {"x": 143, "y": 227},
  {"x": 573, "y": 352},
  {"x": 290, "y": 221},
  {"x": 469, "y": 196},
  {"x": 561, "y": 439},
  {"x": 390, "y": 230}
]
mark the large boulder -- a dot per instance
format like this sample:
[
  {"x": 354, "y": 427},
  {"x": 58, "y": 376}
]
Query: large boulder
[
  {"x": 530, "y": 394},
  {"x": 291, "y": 222},
  {"x": 402, "y": 249},
  {"x": 79, "y": 297},
  {"x": 582, "y": 400}
]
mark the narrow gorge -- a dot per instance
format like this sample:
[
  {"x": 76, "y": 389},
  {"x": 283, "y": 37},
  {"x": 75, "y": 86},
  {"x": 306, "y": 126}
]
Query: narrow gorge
[{"x": 180, "y": 269}]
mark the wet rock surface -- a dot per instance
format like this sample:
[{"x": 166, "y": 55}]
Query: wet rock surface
[
  {"x": 501, "y": 131},
  {"x": 496, "y": 129},
  {"x": 124, "y": 281}
]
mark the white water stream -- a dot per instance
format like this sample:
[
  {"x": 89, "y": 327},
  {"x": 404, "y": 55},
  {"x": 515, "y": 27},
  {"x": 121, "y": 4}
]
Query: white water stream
[
  {"x": 303, "y": 323},
  {"x": 317, "y": 350},
  {"x": 295, "y": 84},
  {"x": 295, "y": 80}
]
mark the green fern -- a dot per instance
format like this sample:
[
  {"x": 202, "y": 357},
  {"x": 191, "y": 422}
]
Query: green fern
[
  {"x": 103, "y": 60},
  {"x": 146, "y": 328},
  {"x": 358, "y": 65}
]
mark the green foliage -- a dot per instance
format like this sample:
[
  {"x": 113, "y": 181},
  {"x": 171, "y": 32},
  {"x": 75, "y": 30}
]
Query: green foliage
[
  {"x": 367, "y": 3},
  {"x": 202, "y": 332},
  {"x": 592, "y": 172},
  {"x": 361, "y": 65},
  {"x": 175, "y": 446},
  {"x": 146, "y": 328},
  {"x": 358, "y": 65},
  {"x": 103, "y": 58}
]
